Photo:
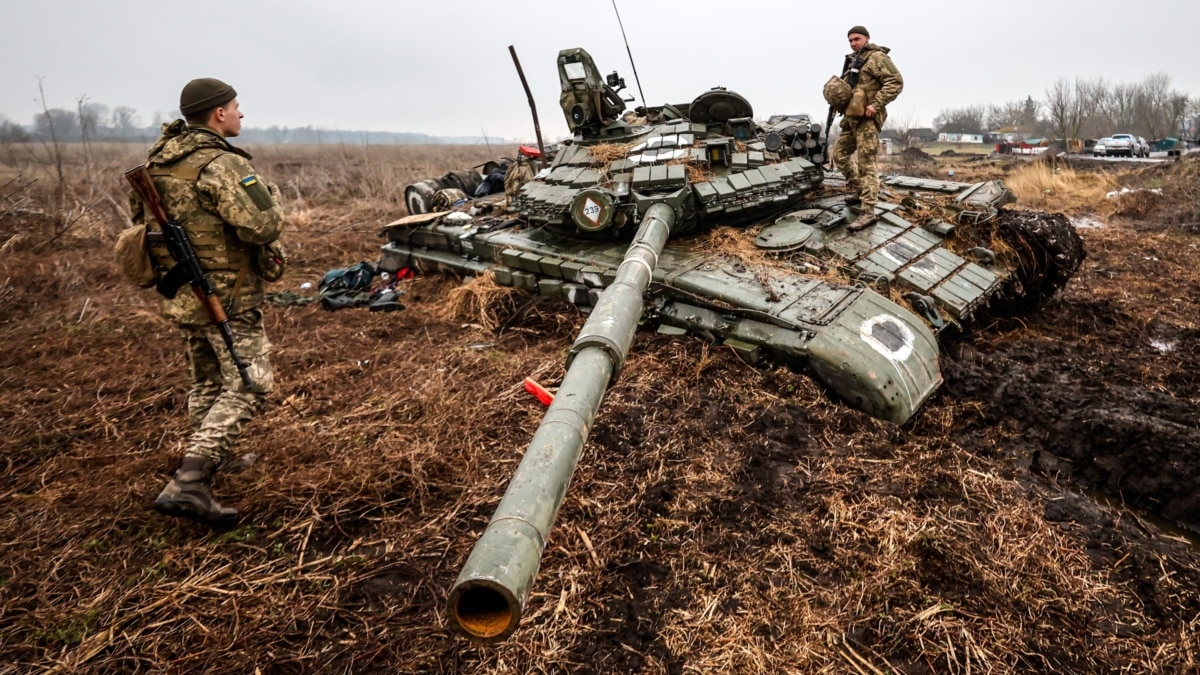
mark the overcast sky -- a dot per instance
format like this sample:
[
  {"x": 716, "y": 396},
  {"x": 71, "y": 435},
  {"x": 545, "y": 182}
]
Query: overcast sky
[{"x": 443, "y": 68}]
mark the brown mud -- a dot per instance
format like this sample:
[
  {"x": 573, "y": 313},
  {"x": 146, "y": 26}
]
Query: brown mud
[{"x": 723, "y": 518}]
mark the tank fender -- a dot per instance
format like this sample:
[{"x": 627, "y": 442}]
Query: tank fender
[{"x": 878, "y": 357}]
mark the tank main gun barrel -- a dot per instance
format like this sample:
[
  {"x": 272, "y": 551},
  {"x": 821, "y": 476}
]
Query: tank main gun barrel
[{"x": 488, "y": 599}]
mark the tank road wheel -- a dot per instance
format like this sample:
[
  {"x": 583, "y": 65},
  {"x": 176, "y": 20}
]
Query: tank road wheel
[
  {"x": 418, "y": 196},
  {"x": 466, "y": 181},
  {"x": 1049, "y": 252}
]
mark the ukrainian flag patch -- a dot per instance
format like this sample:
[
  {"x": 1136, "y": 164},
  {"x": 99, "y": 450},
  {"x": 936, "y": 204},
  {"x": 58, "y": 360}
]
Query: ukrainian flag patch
[{"x": 258, "y": 192}]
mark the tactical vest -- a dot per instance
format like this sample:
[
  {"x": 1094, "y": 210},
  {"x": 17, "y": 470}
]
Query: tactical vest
[
  {"x": 216, "y": 243},
  {"x": 870, "y": 83}
]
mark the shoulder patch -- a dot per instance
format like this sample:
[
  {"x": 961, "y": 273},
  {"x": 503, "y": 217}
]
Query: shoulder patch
[{"x": 258, "y": 192}]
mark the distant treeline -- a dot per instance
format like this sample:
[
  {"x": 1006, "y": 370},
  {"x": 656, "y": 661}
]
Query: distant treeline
[
  {"x": 96, "y": 122},
  {"x": 1080, "y": 109}
]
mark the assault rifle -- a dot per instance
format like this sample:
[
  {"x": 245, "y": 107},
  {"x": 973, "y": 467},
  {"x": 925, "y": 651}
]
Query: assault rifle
[{"x": 187, "y": 267}]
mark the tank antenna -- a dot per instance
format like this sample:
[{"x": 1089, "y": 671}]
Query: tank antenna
[{"x": 627, "y": 51}]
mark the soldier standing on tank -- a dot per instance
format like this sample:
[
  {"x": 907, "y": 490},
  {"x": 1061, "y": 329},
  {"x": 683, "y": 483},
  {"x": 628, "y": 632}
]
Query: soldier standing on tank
[
  {"x": 858, "y": 144},
  {"x": 230, "y": 215}
]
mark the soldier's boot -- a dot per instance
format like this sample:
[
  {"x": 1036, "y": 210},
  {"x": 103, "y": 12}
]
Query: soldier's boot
[
  {"x": 865, "y": 219},
  {"x": 189, "y": 495},
  {"x": 853, "y": 200}
]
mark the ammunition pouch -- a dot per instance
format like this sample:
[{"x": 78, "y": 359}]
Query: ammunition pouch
[
  {"x": 857, "y": 107},
  {"x": 133, "y": 257}
]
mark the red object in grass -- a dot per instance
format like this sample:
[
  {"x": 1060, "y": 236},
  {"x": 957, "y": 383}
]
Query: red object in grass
[{"x": 539, "y": 391}]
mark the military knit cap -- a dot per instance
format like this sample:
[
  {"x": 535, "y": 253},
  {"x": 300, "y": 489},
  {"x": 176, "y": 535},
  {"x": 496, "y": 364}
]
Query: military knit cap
[
  {"x": 204, "y": 93},
  {"x": 861, "y": 30}
]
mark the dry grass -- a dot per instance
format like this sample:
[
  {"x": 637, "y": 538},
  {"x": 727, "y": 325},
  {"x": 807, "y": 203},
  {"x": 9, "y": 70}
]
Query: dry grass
[
  {"x": 1136, "y": 204},
  {"x": 734, "y": 242},
  {"x": 1178, "y": 183},
  {"x": 604, "y": 154},
  {"x": 357, "y": 186},
  {"x": 723, "y": 518},
  {"x": 1045, "y": 186},
  {"x": 481, "y": 300}
]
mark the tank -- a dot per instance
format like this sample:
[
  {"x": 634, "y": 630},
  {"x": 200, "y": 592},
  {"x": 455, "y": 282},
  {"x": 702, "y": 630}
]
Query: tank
[{"x": 610, "y": 226}]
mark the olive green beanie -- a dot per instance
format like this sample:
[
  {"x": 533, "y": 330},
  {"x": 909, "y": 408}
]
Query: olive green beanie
[
  {"x": 861, "y": 30},
  {"x": 204, "y": 93}
]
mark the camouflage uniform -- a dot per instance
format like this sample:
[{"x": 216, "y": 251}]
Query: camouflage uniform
[
  {"x": 881, "y": 82},
  {"x": 211, "y": 188}
]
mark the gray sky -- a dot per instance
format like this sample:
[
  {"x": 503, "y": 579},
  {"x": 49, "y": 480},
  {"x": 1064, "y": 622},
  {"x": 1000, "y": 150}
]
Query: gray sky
[{"x": 442, "y": 67}]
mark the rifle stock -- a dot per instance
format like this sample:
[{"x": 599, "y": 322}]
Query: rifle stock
[{"x": 187, "y": 265}]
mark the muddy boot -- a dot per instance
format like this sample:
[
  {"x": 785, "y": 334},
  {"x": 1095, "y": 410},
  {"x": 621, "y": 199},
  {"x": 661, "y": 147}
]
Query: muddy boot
[
  {"x": 188, "y": 496},
  {"x": 864, "y": 220},
  {"x": 235, "y": 464}
]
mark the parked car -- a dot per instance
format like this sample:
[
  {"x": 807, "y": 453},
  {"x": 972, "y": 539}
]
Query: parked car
[
  {"x": 1101, "y": 147},
  {"x": 1127, "y": 145}
]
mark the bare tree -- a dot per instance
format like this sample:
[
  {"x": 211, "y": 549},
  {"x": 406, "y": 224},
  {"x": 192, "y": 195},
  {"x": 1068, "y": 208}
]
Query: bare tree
[
  {"x": 47, "y": 119},
  {"x": 904, "y": 125},
  {"x": 124, "y": 121},
  {"x": 87, "y": 131},
  {"x": 1160, "y": 111},
  {"x": 55, "y": 124},
  {"x": 68, "y": 209},
  {"x": 1069, "y": 105},
  {"x": 1000, "y": 115},
  {"x": 1063, "y": 108},
  {"x": 96, "y": 117},
  {"x": 1019, "y": 116},
  {"x": 968, "y": 120},
  {"x": 1192, "y": 125},
  {"x": 1118, "y": 109}
]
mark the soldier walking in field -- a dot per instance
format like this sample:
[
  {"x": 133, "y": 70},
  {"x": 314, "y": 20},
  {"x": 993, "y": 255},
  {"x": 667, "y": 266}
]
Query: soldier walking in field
[
  {"x": 232, "y": 218},
  {"x": 876, "y": 82}
]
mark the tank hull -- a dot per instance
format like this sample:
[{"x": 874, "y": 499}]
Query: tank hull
[{"x": 872, "y": 353}]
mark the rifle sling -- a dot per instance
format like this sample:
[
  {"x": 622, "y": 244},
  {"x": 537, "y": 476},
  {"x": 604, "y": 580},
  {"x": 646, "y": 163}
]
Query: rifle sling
[
  {"x": 854, "y": 69},
  {"x": 237, "y": 284}
]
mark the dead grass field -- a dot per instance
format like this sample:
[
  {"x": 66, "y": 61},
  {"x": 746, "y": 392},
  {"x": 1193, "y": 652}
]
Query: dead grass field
[{"x": 723, "y": 518}]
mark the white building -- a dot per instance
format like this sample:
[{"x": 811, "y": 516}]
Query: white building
[{"x": 960, "y": 138}]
